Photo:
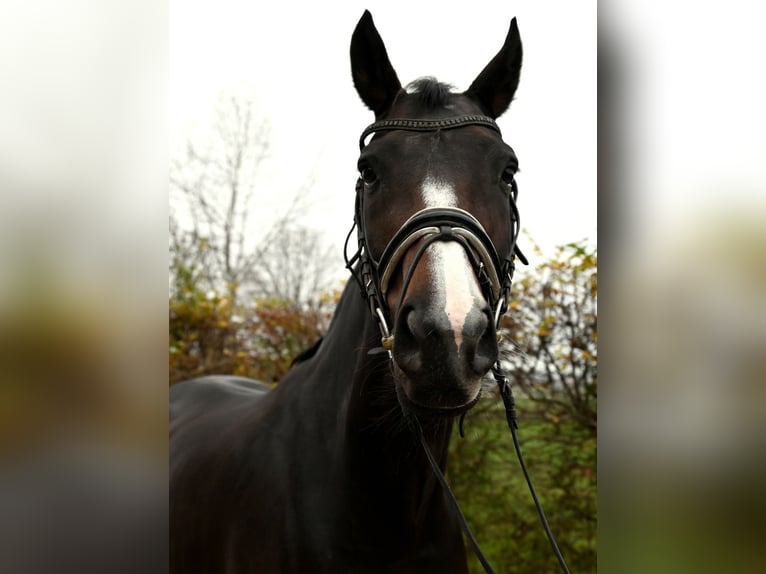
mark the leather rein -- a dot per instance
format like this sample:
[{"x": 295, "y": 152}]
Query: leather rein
[{"x": 495, "y": 277}]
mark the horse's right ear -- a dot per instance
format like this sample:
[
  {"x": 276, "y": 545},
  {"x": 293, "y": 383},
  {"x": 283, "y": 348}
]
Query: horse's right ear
[{"x": 375, "y": 80}]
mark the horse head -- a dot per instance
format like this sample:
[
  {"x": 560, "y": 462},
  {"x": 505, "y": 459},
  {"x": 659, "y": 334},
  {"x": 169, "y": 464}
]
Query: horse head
[{"x": 437, "y": 220}]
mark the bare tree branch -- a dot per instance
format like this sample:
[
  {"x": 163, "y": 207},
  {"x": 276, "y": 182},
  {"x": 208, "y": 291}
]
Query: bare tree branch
[{"x": 216, "y": 183}]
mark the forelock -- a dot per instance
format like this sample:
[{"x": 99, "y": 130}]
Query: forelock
[{"x": 430, "y": 91}]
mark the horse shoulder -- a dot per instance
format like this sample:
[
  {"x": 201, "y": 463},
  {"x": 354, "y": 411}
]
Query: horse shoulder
[{"x": 224, "y": 453}]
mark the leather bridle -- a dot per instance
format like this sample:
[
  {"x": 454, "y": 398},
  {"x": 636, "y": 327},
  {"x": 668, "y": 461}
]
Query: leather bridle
[
  {"x": 495, "y": 278},
  {"x": 428, "y": 226}
]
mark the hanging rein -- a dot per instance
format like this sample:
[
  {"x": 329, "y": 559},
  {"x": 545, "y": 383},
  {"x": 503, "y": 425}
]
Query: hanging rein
[{"x": 495, "y": 278}]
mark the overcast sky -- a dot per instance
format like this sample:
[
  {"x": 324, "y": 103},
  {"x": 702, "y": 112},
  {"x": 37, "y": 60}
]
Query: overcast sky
[{"x": 294, "y": 56}]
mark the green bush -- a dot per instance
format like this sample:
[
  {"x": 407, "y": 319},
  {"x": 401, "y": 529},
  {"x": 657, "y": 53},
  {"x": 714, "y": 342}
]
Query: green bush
[{"x": 488, "y": 482}]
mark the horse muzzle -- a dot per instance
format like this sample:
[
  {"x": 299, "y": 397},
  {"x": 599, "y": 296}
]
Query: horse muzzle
[
  {"x": 441, "y": 365},
  {"x": 444, "y": 332},
  {"x": 441, "y": 287}
]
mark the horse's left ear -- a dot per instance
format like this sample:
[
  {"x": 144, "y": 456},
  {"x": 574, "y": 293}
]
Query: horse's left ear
[{"x": 493, "y": 89}]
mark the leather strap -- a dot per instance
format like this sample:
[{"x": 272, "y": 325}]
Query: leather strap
[{"x": 428, "y": 125}]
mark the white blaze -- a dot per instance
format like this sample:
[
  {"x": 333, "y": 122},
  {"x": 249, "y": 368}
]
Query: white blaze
[
  {"x": 455, "y": 285},
  {"x": 438, "y": 193}
]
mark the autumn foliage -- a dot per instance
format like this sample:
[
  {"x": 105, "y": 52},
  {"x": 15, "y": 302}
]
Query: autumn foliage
[
  {"x": 549, "y": 351},
  {"x": 209, "y": 334},
  {"x": 551, "y": 333}
]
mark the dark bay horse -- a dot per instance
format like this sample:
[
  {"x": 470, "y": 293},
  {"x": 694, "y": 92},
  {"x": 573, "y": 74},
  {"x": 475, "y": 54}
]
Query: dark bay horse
[{"x": 323, "y": 474}]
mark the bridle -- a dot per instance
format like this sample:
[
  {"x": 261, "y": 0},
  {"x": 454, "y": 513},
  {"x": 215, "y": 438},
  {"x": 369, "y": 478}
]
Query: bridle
[
  {"x": 495, "y": 277},
  {"x": 428, "y": 226}
]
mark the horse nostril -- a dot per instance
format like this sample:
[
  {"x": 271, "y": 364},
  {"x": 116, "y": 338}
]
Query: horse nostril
[
  {"x": 411, "y": 322},
  {"x": 417, "y": 325},
  {"x": 485, "y": 353},
  {"x": 476, "y": 325},
  {"x": 479, "y": 341},
  {"x": 406, "y": 346},
  {"x": 431, "y": 330}
]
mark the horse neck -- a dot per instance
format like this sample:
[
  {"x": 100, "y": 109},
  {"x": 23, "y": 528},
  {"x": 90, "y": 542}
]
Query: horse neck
[{"x": 380, "y": 451}]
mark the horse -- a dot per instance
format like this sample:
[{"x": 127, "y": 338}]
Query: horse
[{"x": 323, "y": 473}]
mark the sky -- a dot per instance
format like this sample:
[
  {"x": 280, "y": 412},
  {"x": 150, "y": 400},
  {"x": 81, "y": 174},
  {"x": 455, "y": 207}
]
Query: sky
[{"x": 294, "y": 57}]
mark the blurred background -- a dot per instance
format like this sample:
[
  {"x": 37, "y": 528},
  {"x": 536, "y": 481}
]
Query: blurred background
[
  {"x": 83, "y": 287},
  {"x": 88, "y": 144},
  {"x": 683, "y": 308}
]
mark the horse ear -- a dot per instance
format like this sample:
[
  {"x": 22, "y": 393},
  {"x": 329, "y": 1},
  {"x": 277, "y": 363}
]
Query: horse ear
[
  {"x": 495, "y": 86},
  {"x": 375, "y": 80}
]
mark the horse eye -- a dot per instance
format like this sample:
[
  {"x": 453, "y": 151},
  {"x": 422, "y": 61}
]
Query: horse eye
[
  {"x": 368, "y": 175},
  {"x": 508, "y": 174}
]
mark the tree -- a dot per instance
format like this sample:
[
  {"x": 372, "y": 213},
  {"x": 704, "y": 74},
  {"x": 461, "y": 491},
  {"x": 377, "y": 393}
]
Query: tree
[
  {"x": 293, "y": 268},
  {"x": 209, "y": 336},
  {"x": 549, "y": 353},
  {"x": 552, "y": 334},
  {"x": 217, "y": 181},
  {"x": 239, "y": 304},
  {"x": 214, "y": 192}
]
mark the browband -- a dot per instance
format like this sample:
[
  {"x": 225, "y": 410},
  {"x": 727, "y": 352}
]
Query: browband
[{"x": 428, "y": 125}]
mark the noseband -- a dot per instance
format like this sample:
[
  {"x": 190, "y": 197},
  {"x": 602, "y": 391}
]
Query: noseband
[{"x": 428, "y": 226}]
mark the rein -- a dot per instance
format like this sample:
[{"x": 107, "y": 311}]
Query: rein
[
  {"x": 495, "y": 279},
  {"x": 510, "y": 415}
]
